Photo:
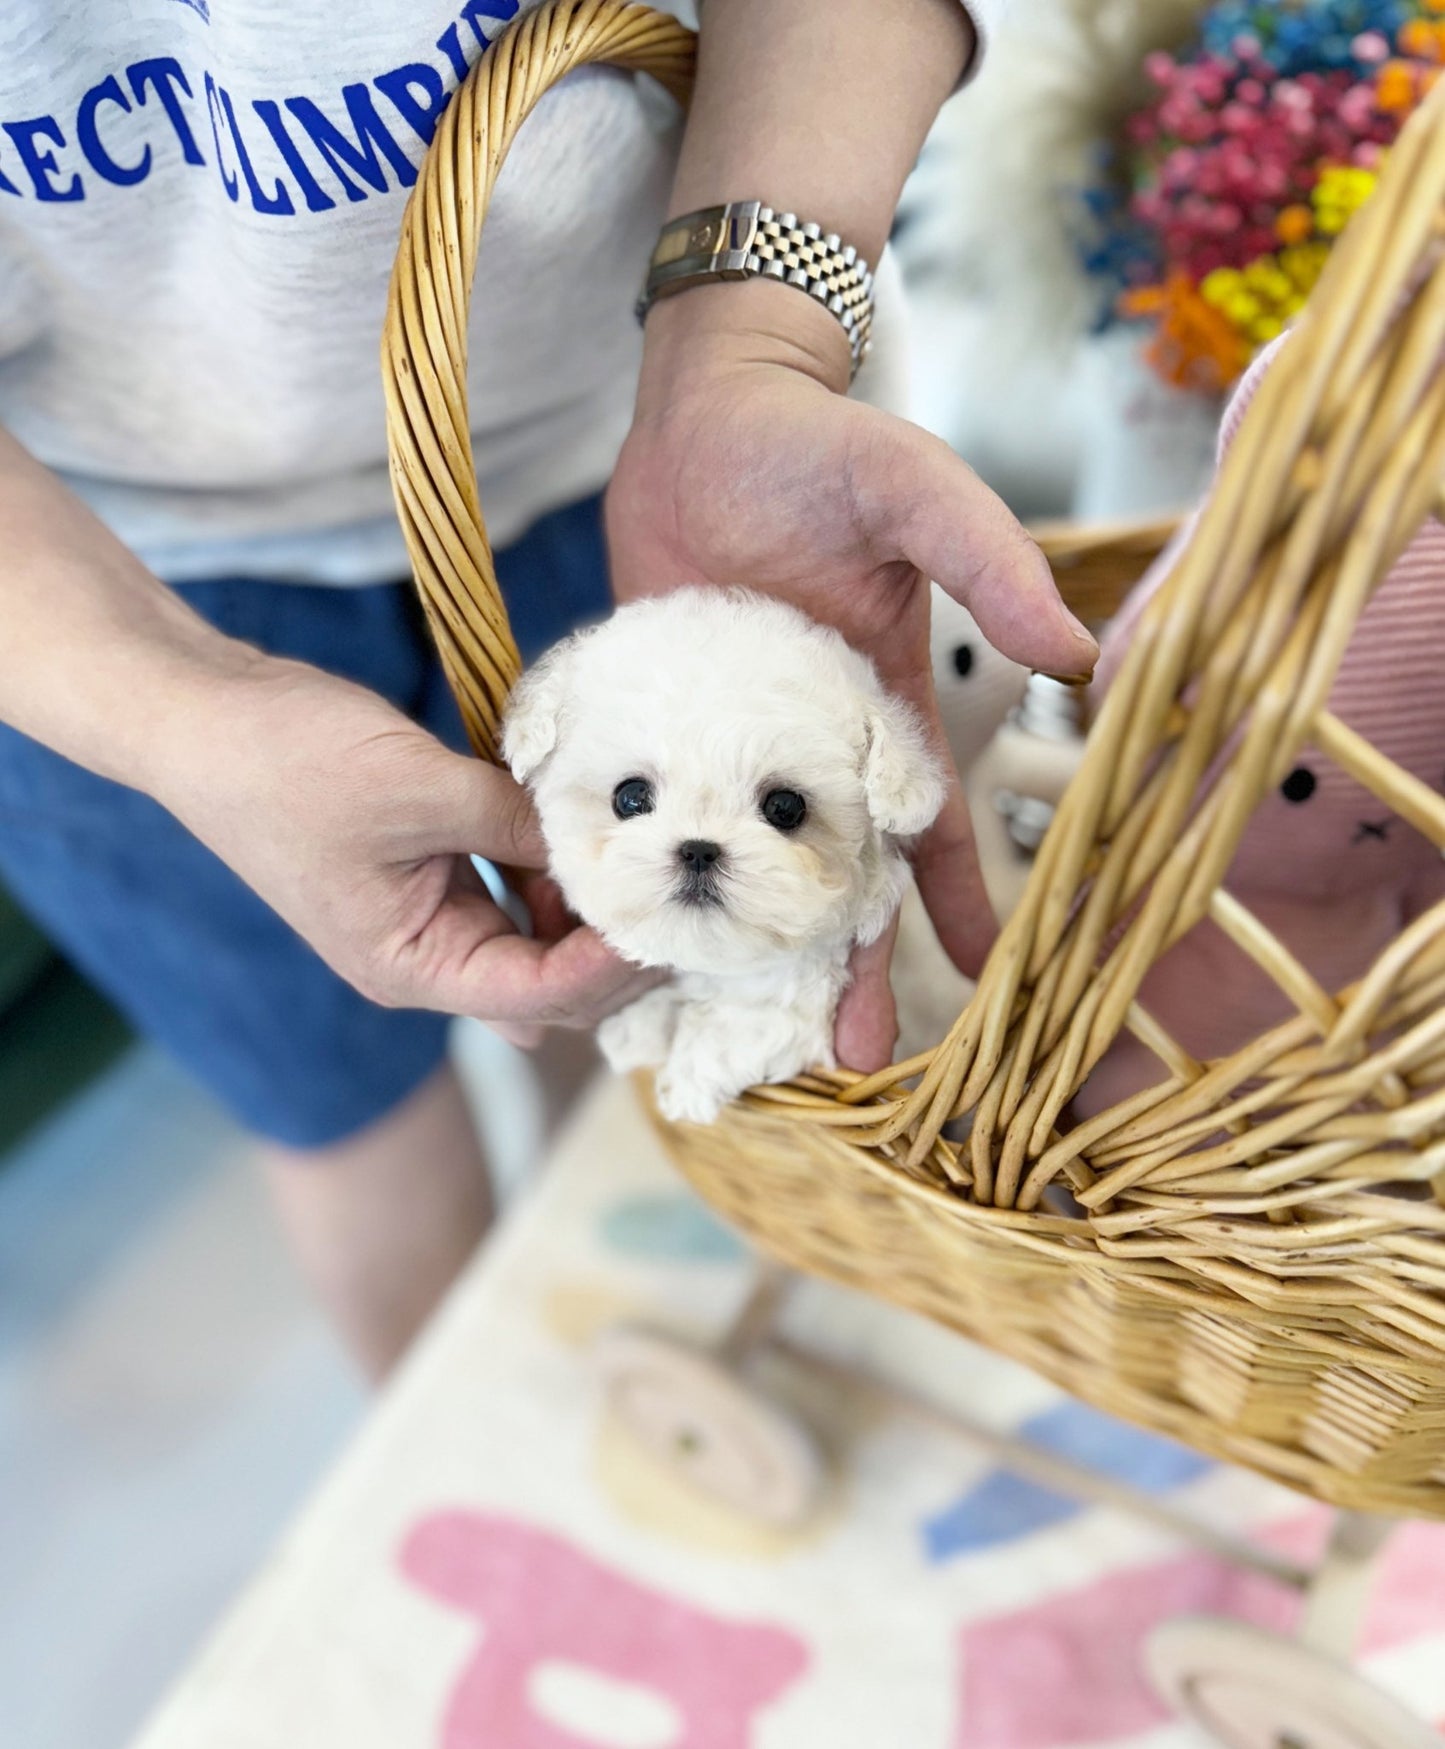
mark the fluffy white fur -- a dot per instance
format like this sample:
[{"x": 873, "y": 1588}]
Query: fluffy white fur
[
  {"x": 716, "y": 698},
  {"x": 1059, "y": 78}
]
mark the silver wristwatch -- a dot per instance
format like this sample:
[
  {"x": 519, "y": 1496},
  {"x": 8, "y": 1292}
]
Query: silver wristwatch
[{"x": 745, "y": 239}]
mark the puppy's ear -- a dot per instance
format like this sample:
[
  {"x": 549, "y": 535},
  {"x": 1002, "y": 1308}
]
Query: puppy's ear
[
  {"x": 902, "y": 778},
  {"x": 532, "y": 725}
]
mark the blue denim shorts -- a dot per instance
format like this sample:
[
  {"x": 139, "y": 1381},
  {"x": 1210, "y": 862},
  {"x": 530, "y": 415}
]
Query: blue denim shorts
[{"x": 184, "y": 947}]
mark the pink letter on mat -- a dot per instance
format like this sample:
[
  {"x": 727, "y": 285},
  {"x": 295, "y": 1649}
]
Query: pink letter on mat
[
  {"x": 1070, "y": 1671},
  {"x": 538, "y": 1600}
]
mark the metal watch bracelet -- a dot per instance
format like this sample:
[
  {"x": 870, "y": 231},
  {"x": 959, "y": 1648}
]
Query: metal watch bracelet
[{"x": 746, "y": 239}]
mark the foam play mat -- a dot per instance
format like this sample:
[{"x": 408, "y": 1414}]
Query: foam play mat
[{"x": 497, "y": 1563}]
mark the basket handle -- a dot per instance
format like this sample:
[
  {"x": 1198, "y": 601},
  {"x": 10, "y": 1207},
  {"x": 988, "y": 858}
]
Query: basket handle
[
  {"x": 424, "y": 344},
  {"x": 424, "y": 348}
]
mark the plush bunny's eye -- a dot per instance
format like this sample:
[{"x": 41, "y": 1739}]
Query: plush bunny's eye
[
  {"x": 632, "y": 796},
  {"x": 1300, "y": 785},
  {"x": 784, "y": 809},
  {"x": 963, "y": 661}
]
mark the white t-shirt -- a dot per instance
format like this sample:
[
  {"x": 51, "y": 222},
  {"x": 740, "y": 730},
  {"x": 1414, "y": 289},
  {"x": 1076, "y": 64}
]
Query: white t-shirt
[{"x": 199, "y": 205}]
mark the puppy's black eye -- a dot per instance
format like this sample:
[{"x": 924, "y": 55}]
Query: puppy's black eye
[
  {"x": 785, "y": 809},
  {"x": 631, "y": 797},
  {"x": 1299, "y": 786},
  {"x": 963, "y": 661}
]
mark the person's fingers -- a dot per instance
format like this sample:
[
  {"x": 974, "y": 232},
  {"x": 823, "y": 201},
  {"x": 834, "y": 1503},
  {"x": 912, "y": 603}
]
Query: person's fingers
[
  {"x": 929, "y": 506},
  {"x": 576, "y": 981},
  {"x": 866, "y": 1025},
  {"x": 945, "y": 857},
  {"x": 551, "y": 919},
  {"x": 469, "y": 959},
  {"x": 476, "y": 809},
  {"x": 950, "y": 883}
]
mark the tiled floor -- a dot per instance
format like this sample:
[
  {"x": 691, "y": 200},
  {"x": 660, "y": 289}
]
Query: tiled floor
[{"x": 167, "y": 1395}]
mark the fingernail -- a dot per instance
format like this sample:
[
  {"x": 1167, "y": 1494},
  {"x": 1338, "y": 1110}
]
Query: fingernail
[
  {"x": 1067, "y": 679},
  {"x": 1080, "y": 630}
]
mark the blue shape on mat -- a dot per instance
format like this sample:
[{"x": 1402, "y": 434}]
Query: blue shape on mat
[
  {"x": 668, "y": 1229},
  {"x": 1003, "y": 1507},
  {"x": 999, "y": 1510}
]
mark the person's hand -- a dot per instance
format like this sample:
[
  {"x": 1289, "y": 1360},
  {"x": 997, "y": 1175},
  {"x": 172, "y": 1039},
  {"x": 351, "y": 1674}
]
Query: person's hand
[
  {"x": 745, "y": 465},
  {"x": 357, "y": 827}
]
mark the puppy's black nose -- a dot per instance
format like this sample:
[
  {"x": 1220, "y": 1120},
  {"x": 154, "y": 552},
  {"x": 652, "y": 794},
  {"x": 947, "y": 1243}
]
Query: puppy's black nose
[{"x": 698, "y": 854}]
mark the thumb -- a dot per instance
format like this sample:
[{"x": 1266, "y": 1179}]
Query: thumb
[
  {"x": 952, "y": 528},
  {"x": 478, "y": 809}
]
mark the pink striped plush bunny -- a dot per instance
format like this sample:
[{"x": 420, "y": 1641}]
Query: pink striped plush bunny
[{"x": 1323, "y": 862}]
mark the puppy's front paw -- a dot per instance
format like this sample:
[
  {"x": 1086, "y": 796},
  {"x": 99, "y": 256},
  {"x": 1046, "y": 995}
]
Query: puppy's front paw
[
  {"x": 721, "y": 1048},
  {"x": 686, "y": 1096},
  {"x": 640, "y": 1035}
]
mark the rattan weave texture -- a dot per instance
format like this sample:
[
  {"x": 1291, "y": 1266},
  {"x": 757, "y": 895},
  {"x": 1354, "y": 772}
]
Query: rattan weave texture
[{"x": 1251, "y": 1255}]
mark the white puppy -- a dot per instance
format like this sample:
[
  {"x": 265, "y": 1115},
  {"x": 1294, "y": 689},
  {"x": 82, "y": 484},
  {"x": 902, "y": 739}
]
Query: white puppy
[{"x": 723, "y": 786}]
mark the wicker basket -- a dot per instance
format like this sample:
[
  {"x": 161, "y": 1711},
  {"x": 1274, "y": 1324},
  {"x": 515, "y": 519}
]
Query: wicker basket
[{"x": 1278, "y": 1297}]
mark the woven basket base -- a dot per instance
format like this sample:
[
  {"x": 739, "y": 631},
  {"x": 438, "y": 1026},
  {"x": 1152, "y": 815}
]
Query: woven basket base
[{"x": 1212, "y": 1369}]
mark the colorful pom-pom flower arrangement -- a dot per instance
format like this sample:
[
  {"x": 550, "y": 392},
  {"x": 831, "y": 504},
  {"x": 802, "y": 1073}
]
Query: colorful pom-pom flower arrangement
[{"x": 1266, "y": 133}]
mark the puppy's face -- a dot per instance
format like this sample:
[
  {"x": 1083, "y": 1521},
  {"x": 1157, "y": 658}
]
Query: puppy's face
[{"x": 720, "y": 783}]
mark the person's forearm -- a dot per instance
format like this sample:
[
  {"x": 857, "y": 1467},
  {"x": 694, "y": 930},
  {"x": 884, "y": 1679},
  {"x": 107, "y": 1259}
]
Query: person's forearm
[
  {"x": 351, "y": 822},
  {"x": 98, "y": 659},
  {"x": 818, "y": 107}
]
